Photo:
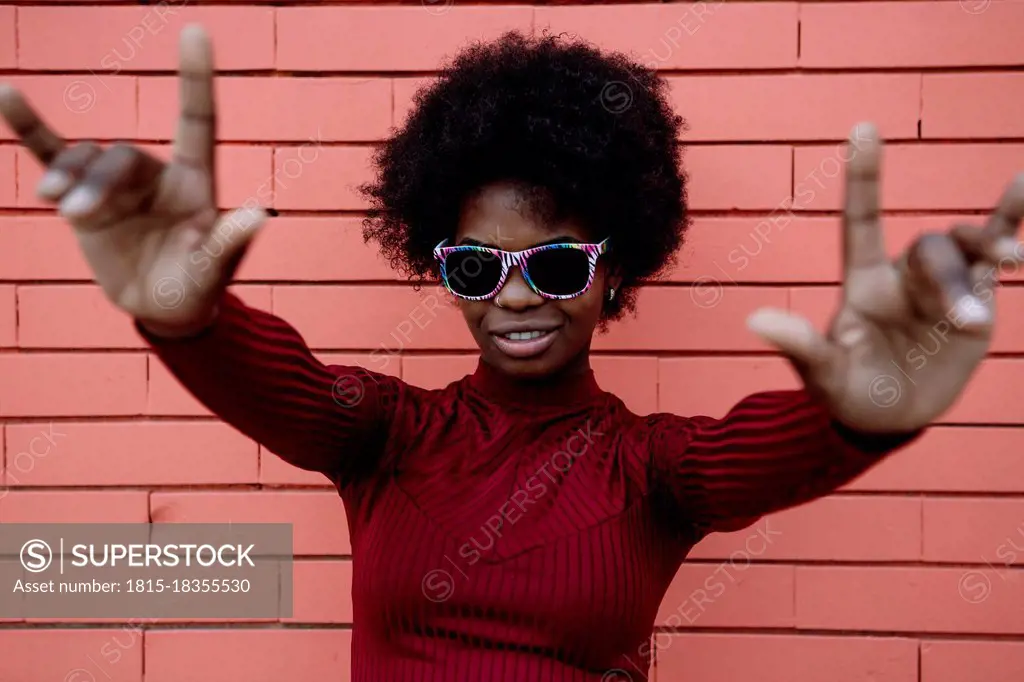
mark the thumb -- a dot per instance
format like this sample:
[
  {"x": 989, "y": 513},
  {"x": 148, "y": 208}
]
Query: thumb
[
  {"x": 797, "y": 338},
  {"x": 229, "y": 239}
]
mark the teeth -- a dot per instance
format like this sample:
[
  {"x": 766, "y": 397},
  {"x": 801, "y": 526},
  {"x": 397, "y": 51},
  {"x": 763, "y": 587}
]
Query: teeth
[{"x": 524, "y": 336}]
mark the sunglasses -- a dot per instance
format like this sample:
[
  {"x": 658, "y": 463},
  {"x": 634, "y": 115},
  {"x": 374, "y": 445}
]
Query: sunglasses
[{"x": 555, "y": 271}]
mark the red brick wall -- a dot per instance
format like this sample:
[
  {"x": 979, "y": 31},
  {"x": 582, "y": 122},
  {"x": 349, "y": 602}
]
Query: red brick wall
[{"x": 904, "y": 576}]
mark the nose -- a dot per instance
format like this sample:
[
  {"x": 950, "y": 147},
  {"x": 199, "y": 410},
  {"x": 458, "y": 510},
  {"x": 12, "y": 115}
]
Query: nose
[{"x": 516, "y": 294}]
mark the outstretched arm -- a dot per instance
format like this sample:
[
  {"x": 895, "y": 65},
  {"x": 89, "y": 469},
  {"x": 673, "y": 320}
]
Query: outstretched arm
[
  {"x": 254, "y": 371},
  {"x": 772, "y": 451}
]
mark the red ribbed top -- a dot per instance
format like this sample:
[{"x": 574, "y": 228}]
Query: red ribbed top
[{"x": 508, "y": 531}]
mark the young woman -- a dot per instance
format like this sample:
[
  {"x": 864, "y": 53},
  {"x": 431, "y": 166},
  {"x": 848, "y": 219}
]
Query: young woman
[{"x": 521, "y": 523}]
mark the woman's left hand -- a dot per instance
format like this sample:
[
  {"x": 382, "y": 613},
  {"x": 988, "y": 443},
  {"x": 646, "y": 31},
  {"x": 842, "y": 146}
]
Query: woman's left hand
[{"x": 908, "y": 334}]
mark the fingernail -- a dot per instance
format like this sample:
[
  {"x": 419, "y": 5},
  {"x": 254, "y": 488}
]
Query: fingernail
[
  {"x": 1010, "y": 249},
  {"x": 81, "y": 200},
  {"x": 970, "y": 310},
  {"x": 53, "y": 184}
]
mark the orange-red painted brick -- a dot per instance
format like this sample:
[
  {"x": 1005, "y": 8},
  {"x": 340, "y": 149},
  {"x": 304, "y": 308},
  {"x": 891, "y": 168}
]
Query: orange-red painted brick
[
  {"x": 911, "y": 34},
  {"x": 349, "y": 38},
  {"x": 246, "y": 655},
  {"x": 105, "y": 41},
  {"x": 318, "y": 517}
]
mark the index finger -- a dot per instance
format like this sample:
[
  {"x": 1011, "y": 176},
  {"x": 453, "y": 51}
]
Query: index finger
[
  {"x": 29, "y": 126},
  {"x": 195, "y": 138},
  {"x": 1005, "y": 220},
  {"x": 863, "y": 242}
]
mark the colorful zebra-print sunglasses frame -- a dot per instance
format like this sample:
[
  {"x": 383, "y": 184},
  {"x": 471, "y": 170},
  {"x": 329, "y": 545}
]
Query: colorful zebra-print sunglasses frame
[{"x": 518, "y": 258}]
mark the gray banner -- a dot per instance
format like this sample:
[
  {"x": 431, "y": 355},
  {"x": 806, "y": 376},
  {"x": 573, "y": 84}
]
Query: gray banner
[{"x": 164, "y": 570}]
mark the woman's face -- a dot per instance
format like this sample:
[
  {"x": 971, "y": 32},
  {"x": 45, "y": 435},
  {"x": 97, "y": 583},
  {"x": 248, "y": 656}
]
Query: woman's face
[{"x": 499, "y": 216}]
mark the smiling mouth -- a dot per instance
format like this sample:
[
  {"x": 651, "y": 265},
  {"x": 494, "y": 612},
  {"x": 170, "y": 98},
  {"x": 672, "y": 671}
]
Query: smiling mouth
[
  {"x": 525, "y": 344},
  {"x": 524, "y": 336}
]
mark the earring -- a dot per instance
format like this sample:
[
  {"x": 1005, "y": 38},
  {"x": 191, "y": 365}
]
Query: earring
[{"x": 611, "y": 293}]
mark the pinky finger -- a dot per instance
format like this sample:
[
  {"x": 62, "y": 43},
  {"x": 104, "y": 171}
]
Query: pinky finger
[{"x": 976, "y": 245}]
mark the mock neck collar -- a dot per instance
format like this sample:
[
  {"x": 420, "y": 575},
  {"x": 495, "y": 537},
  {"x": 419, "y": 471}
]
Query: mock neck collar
[{"x": 562, "y": 390}]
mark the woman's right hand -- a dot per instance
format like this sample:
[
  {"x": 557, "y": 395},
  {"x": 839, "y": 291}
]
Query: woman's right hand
[{"x": 150, "y": 230}]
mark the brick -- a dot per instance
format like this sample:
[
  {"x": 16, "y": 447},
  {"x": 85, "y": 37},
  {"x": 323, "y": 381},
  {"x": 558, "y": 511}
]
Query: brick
[
  {"x": 804, "y": 106},
  {"x": 989, "y": 398},
  {"x": 312, "y": 249},
  {"x": 819, "y": 304},
  {"x": 8, "y": 41},
  {"x": 910, "y": 34},
  {"x": 46, "y": 249},
  {"x": 72, "y": 316},
  {"x": 934, "y": 176},
  {"x": 953, "y": 459},
  {"x": 707, "y": 315},
  {"x": 30, "y": 447},
  {"x": 8, "y": 316},
  {"x": 66, "y": 384},
  {"x": 243, "y": 174},
  {"x": 12, "y": 604},
  {"x": 74, "y": 655},
  {"x": 734, "y": 177},
  {"x": 404, "y": 90},
  {"x": 108, "y": 40},
  {"x": 951, "y": 661},
  {"x": 259, "y": 296},
  {"x": 78, "y": 316},
  {"x": 773, "y": 247},
  {"x": 837, "y": 528},
  {"x": 322, "y": 592},
  {"x": 134, "y": 453},
  {"x": 970, "y": 105},
  {"x": 633, "y": 379},
  {"x": 785, "y": 658},
  {"x": 320, "y": 178},
  {"x": 946, "y": 600},
  {"x": 992, "y": 396},
  {"x": 713, "y": 35},
  {"x": 348, "y": 38},
  {"x": 318, "y": 517},
  {"x": 90, "y": 506},
  {"x": 277, "y": 109},
  {"x": 684, "y": 384},
  {"x": 971, "y": 530},
  {"x": 8, "y": 183},
  {"x": 246, "y": 655},
  {"x": 728, "y": 595},
  {"x": 78, "y": 107},
  {"x": 384, "y": 319},
  {"x": 275, "y": 471}
]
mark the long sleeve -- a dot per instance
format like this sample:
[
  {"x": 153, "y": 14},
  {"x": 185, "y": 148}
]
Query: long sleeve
[
  {"x": 772, "y": 451},
  {"x": 254, "y": 371}
]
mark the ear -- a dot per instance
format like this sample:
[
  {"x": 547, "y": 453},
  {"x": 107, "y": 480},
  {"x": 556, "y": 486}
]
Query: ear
[{"x": 613, "y": 279}]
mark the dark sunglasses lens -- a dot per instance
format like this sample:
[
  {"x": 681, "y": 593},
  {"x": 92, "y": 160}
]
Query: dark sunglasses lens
[
  {"x": 559, "y": 272},
  {"x": 472, "y": 273}
]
